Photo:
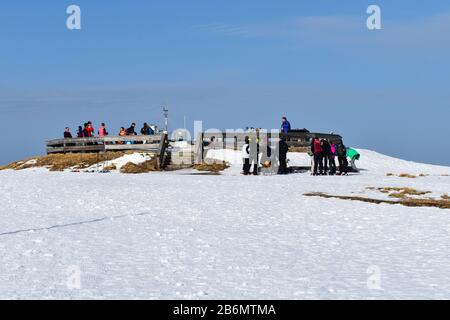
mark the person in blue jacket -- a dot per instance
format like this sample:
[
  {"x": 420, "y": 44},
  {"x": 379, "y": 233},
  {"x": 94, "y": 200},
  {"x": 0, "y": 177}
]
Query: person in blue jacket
[{"x": 285, "y": 125}]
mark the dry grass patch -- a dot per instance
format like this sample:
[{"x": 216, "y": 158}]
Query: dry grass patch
[
  {"x": 212, "y": 167},
  {"x": 407, "y": 175},
  {"x": 445, "y": 197},
  {"x": 144, "y": 167},
  {"x": 299, "y": 149},
  {"x": 60, "y": 162},
  {"x": 438, "y": 203},
  {"x": 110, "y": 167},
  {"x": 442, "y": 204},
  {"x": 402, "y": 192}
]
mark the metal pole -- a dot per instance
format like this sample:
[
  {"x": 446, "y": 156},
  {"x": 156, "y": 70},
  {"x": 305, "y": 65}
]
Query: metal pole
[{"x": 166, "y": 118}]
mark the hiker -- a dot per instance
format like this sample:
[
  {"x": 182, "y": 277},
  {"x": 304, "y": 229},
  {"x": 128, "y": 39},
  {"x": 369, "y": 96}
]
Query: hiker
[
  {"x": 341, "y": 152},
  {"x": 268, "y": 157},
  {"x": 326, "y": 150},
  {"x": 91, "y": 129},
  {"x": 146, "y": 130},
  {"x": 122, "y": 133},
  {"x": 285, "y": 125},
  {"x": 246, "y": 157},
  {"x": 85, "y": 131},
  {"x": 353, "y": 155},
  {"x": 208, "y": 142},
  {"x": 67, "y": 133},
  {"x": 80, "y": 132},
  {"x": 331, "y": 160},
  {"x": 254, "y": 155},
  {"x": 88, "y": 130},
  {"x": 316, "y": 149},
  {"x": 283, "y": 149},
  {"x": 102, "y": 130},
  {"x": 130, "y": 131}
]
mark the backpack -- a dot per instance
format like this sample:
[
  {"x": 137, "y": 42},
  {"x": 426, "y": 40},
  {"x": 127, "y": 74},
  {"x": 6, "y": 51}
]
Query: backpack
[
  {"x": 317, "y": 146},
  {"x": 333, "y": 149},
  {"x": 341, "y": 150}
]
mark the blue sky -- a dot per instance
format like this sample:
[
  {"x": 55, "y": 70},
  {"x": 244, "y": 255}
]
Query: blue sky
[{"x": 231, "y": 64}]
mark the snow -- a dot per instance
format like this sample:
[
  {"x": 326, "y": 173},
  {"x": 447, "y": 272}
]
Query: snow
[
  {"x": 30, "y": 162},
  {"x": 136, "y": 158},
  {"x": 179, "y": 235},
  {"x": 370, "y": 161}
]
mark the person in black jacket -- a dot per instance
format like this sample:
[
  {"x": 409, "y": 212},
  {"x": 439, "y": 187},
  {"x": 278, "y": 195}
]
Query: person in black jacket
[
  {"x": 283, "y": 149},
  {"x": 67, "y": 133},
  {"x": 80, "y": 132},
  {"x": 341, "y": 152},
  {"x": 130, "y": 131},
  {"x": 326, "y": 150},
  {"x": 246, "y": 157}
]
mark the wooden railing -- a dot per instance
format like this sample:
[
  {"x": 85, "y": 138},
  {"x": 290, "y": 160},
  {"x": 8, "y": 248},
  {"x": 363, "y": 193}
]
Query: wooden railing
[{"x": 152, "y": 143}]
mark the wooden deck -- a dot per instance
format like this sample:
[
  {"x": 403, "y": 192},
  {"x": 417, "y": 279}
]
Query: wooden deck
[{"x": 153, "y": 144}]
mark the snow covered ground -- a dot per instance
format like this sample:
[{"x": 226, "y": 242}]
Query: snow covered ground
[{"x": 176, "y": 235}]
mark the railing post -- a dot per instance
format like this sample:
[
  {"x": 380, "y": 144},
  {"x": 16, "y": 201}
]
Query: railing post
[
  {"x": 224, "y": 144},
  {"x": 162, "y": 150},
  {"x": 198, "y": 149},
  {"x": 202, "y": 148}
]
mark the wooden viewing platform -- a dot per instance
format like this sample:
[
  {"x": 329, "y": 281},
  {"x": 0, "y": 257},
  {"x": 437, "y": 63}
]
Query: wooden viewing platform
[{"x": 150, "y": 143}]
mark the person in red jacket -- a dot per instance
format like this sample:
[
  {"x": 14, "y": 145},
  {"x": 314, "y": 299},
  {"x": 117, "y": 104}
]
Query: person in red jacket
[
  {"x": 316, "y": 149},
  {"x": 90, "y": 129}
]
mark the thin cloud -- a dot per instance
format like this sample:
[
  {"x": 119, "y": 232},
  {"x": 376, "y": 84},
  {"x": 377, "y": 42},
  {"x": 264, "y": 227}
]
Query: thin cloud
[{"x": 421, "y": 34}]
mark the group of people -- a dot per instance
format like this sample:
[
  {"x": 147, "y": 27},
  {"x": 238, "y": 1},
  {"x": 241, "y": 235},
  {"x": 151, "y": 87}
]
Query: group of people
[
  {"x": 324, "y": 154},
  {"x": 88, "y": 131},
  {"x": 251, "y": 157}
]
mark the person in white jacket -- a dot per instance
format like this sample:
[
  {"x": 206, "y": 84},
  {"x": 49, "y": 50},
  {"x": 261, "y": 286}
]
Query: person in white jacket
[{"x": 246, "y": 157}]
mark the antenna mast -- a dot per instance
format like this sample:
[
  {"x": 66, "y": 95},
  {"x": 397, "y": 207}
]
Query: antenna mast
[{"x": 166, "y": 118}]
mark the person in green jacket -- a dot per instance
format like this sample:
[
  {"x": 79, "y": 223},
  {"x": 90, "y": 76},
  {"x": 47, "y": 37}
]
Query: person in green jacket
[{"x": 353, "y": 155}]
